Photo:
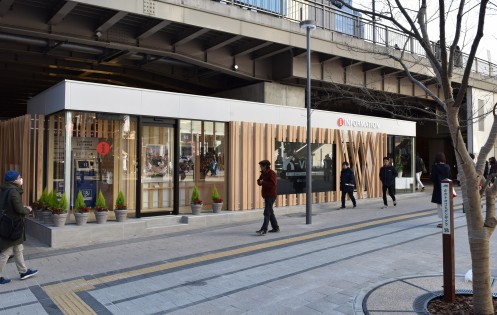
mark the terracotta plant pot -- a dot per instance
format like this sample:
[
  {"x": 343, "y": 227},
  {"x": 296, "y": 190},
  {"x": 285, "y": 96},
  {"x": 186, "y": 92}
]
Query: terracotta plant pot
[
  {"x": 38, "y": 214},
  {"x": 59, "y": 219},
  {"x": 46, "y": 217},
  {"x": 196, "y": 208},
  {"x": 81, "y": 218},
  {"x": 216, "y": 207},
  {"x": 121, "y": 214},
  {"x": 101, "y": 216}
]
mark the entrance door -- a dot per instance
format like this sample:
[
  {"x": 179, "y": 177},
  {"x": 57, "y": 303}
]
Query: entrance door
[{"x": 157, "y": 178}]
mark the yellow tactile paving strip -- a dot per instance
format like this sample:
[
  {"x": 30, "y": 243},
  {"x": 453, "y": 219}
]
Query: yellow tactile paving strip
[{"x": 65, "y": 297}]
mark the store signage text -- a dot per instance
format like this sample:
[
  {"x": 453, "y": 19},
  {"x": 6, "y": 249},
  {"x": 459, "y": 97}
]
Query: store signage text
[{"x": 357, "y": 123}]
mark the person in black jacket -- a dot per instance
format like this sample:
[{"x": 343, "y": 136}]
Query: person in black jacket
[
  {"x": 10, "y": 197},
  {"x": 387, "y": 177},
  {"x": 420, "y": 168},
  {"x": 439, "y": 172},
  {"x": 347, "y": 184}
]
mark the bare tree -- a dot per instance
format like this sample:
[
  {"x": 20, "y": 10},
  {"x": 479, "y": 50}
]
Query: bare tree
[{"x": 414, "y": 22}]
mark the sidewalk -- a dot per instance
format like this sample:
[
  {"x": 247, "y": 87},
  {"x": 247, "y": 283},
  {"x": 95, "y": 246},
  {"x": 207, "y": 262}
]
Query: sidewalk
[{"x": 356, "y": 269}]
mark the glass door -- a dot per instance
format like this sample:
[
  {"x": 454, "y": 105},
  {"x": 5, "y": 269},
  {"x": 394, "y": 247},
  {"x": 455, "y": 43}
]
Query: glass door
[{"x": 157, "y": 178}]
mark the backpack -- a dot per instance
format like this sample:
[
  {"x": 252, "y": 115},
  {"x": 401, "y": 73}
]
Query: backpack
[{"x": 10, "y": 229}]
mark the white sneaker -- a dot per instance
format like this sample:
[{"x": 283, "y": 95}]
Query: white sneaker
[
  {"x": 395, "y": 203},
  {"x": 384, "y": 207}
]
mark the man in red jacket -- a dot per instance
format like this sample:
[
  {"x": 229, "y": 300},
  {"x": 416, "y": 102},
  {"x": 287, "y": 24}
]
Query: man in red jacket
[{"x": 268, "y": 182}]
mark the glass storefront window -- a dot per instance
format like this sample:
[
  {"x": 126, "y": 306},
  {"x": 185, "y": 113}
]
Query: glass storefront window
[
  {"x": 99, "y": 155},
  {"x": 290, "y": 167},
  {"x": 158, "y": 172},
  {"x": 56, "y": 153},
  {"x": 201, "y": 161},
  {"x": 400, "y": 152}
]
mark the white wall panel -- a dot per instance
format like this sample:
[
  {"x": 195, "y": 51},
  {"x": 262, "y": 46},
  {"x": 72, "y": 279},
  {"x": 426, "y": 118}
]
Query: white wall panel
[
  {"x": 115, "y": 99},
  {"x": 49, "y": 101}
]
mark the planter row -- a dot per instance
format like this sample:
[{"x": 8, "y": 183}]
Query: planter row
[
  {"x": 197, "y": 208},
  {"x": 47, "y": 217}
]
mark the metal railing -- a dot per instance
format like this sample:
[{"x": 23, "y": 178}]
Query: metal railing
[{"x": 328, "y": 17}]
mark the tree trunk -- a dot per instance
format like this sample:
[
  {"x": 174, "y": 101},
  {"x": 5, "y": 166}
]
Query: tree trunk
[
  {"x": 482, "y": 297},
  {"x": 478, "y": 233}
]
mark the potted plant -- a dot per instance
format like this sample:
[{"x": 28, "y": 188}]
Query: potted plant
[
  {"x": 398, "y": 164},
  {"x": 121, "y": 210},
  {"x": 52, "y": 203},
  {"x": 37, "y": 208},
  {"x": 43, "y": 203},
  {"x": 80, "y": 210},
  {"x": 101, "y": 210},
  {"x": 217, "y": 202},
  {"x": 59, "y": 213},
  {"x": 195, "y": 201}
]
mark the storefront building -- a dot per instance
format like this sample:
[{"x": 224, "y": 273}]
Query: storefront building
[{"x": 156, "y": 146}]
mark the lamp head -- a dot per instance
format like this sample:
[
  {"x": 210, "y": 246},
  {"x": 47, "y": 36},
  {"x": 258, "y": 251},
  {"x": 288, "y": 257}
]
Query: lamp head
[{"x": 308, "y": 24}]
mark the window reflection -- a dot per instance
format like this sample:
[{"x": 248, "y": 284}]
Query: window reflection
[{"x": 201, "y": 160}]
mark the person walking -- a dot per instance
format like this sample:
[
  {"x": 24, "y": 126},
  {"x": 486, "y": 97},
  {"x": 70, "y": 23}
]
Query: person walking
[
  {"x": 420, "y": 168},
  {"x": 327, "y": 167},
  {"x": 387, "y": 177},
  {"x": 439, "y": 172},
  {"x": 267, "y": 180},
  {"x": 10, "y": 198},
  {"x": 493, "y": 167},
  {"x": 347, "y": 184}
]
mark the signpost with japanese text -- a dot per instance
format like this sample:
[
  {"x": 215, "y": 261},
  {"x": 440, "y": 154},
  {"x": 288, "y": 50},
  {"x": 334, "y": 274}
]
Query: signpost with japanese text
[{"x": 448, "y": 241}]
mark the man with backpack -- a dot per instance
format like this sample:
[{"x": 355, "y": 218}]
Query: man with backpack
[{"x": 11, "y": 204}]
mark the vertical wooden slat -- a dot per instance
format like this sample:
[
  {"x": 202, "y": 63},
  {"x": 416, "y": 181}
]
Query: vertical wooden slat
[
  {"x": 258, "y": 136},
  {"x": 269, "y": 144},
  {"x": 233, "y": 166},
  {"x": 292, "y": 137},
  {"x": 281, "y": 199},
  {"x": 39, "y": 157}
]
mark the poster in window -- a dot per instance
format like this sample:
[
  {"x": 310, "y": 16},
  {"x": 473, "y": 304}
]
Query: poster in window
[{"x": 156, "y": 161}]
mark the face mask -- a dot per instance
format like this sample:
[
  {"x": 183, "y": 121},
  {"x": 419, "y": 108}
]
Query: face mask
[{"x": 20, "y": 182}]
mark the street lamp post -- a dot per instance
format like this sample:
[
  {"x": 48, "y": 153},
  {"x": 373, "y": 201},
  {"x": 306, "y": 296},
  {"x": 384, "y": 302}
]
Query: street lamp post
[{"x": 309, "y": 25}]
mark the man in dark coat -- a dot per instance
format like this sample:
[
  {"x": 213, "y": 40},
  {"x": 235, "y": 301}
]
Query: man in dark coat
[
  {"x": 10, "y": 198},
  {"x": 439, "y": 171},
  {"x": 347, "y": 184},
  {"x": 387, "y": 177},
  {"x": 267, "y": 180}
]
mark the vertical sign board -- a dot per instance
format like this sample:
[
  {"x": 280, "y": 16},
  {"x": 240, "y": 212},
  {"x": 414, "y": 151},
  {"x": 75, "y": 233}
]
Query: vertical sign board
[
  {"x": 446, "y": 191},
  {"x": 448, "y": 241}
]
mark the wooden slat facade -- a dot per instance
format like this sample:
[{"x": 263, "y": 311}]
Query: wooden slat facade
[
  {"x": 251, "y": 142},
  {"x": 22, "y": 142}
]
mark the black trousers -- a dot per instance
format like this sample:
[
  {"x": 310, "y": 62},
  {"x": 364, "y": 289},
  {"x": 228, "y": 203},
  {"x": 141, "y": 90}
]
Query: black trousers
[
  {"x": 391, "y": 192},
  {"x": 350, "y": 191},
  {"x": 269, "y": 214}
]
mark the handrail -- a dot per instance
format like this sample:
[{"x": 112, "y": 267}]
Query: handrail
[{"x": 327, "y": 17}]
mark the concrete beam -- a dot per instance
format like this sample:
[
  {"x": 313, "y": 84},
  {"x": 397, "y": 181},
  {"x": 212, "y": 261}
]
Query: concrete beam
[
  {"x": 154, "y": 29},
  {"x": 62, "y": 13},
  {"x": 5, "y": 6},
  {"x": 111, "y": 22}
]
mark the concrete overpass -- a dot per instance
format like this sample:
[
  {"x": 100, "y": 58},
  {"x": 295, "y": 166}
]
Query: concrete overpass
[{"x": 204, "y": 47}]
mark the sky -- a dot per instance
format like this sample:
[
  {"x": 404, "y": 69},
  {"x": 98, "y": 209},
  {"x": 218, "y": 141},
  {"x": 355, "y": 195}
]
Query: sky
[{"x": 488, "y": 45}]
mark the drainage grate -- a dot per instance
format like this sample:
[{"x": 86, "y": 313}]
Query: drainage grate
[{"x": 198, "y": 283}]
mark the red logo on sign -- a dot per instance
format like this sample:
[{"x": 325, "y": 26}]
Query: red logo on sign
[
  {"x": 340, "y": 122},
  {"x": 103, "y": 148}
]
